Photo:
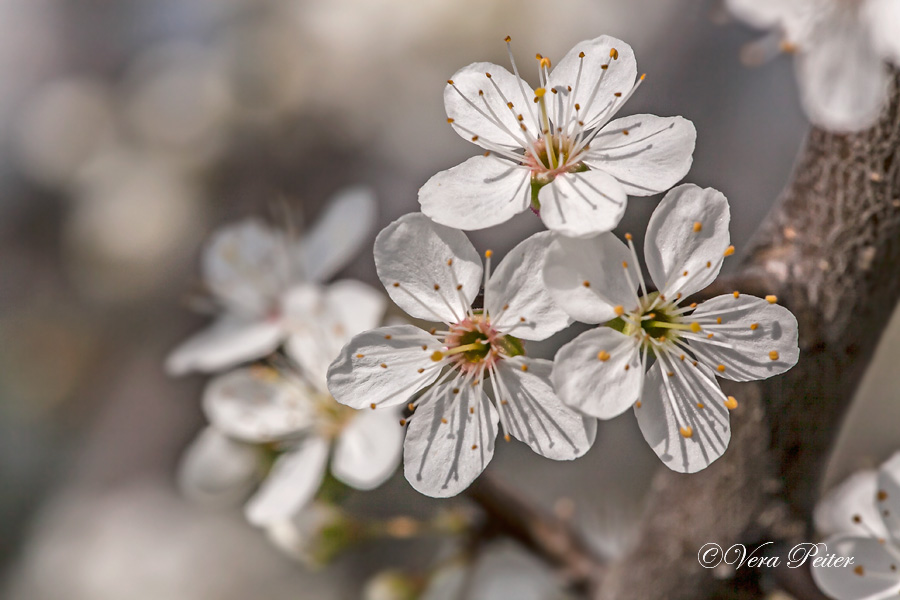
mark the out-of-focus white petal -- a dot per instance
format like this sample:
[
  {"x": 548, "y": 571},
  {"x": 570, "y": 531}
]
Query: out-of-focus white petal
[
  {"x": 586, "y": 277},
  {"x": 761, "y": 337},
  {"x": 843, "y": 80},
  {"x": 431, "y": 271},
  {"x": 368, "y": 450},
  {"x": 709, "y": 426},
  {"x": 218, "y": 470},
  {"x": 645, "y": 153},
  {"x": 883, "y": 20},
  {"x": 226, "y": 343},
  {"x": 321, "y": 321},
  {"x": 688, "y": 232},
  {"x": 258, "y": 405},
  {"x": 836, "y": 513},
  {"x": 596, "y": 87},
  {"x": 590, "y": 374},
  {"x": 246, "y": 266},
  {"x": 582, "y": 204},
  {"x": 516, "y": 291},
  {"x": 339, "y": 233},
  {"x": 481, "y": 192},
  {"x": 478, "y": 105},
  {"x": 870, "y": 577},
  {"x": 291, "y": 485},
  {"x": 384, "y": 367},
  {"x": 534, "y": 413},
  {"x": 450, "y": 440},
  {"x": 888, "y": 496}
]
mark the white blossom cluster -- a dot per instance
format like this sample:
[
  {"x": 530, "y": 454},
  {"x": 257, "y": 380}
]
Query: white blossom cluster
[{"x": 340, "y": 391}]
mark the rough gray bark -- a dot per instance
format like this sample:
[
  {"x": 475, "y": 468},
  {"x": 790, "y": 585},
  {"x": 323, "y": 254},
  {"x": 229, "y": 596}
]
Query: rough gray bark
[{"x": 830, "y": 251}]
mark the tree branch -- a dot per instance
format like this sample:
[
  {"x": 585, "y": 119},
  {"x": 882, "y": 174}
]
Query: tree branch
[{"x": 831, "y": 252}]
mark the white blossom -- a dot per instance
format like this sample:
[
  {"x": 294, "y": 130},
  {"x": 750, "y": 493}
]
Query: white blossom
[
  {"x": 680, "y": 408},
  {"x": 434, "y": 273},
  {"x": 863, "y": 516},
  {"x": 288, "y": 412},
  {"x": 555, "y": 148},
  {"x": 255, "y": 272},
  {"x": 842, "y": 47}
]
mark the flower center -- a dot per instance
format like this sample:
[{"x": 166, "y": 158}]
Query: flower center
[
  {"x": 333, "y": 417},
  {"x": 474, "y": 344},
  {"x": 657, "y": 321}
]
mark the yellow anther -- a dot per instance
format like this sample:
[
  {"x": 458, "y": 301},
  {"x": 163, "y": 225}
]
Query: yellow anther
[
  {"x": 449, "y": 120},
  {"x": 411, "y": 407},
  {"x": 619, "y": 310},
  {"x": 383, "y": 365},
  {"x": 524, "y": 367},
  {"x": 450, "y": 81},
  {"x": 637, "y": 404},
  {"x": 729, "y": 250},
  {"x": 396, "y": 284},
  {"x": 388, "y": 336},
  {"x": 360, "y": 355},
  {"x": 719, "y": 320},
  {"x": 420, "y": 370},
  {"x": 695, "y": 327},
  {"x": 507, "y": 39},
  {"x": 443, "y": 420},
  {"x": 488, "y": 75},
  {"x": 613, "y": 54},
  {"x": 488, "y": 253},
  {"x": 731, "y": 403},
  {"x": 474, "y": 446},
  {"x": 771, "y": 299},
  {"x": 437, "y": 356},
  {"x": 628, "y": 236},
  {"x": 372, "y": 406},
  {"x": 701, "y": 406},
  {"x": 402, "y": 422},
  {"x": 436, "y": 287},
  {"x": 698, "y": 226},
  {"x": 643, "y": 76},
  {"x": 449, "y": 262},
  {"x": 773, "y": 355},
  {"x": 545, "y": 63},
  {"x": 859, "y": 570},
  {"x": 754, "y": 326},
  {"x": 540, "y": 92},
  {"x": 686, "y": 432},
  {"x": 720, "y": 368},
  {"x": 709, "y": 337},
  {"x": 684, "y": 274},
  {"x": 586, "y": 283},
  {"x": 506, "y": 437},
  {"x": 581, "y": 55},
  {"x": 736, "y": 294},
  {"x": 603, "y": 356}
]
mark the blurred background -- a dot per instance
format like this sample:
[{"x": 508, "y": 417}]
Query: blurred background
[{"x": 131, "y": 129}]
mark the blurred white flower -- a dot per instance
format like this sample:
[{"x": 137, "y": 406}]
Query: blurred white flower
[
  {"x": 680, "y": 408},
  {"x": 253, "y": 272},
  {"x": 315, "y": 535},
  {"x": 434, "y": 273},
  {"x": 842, "y": 47},
  {"x": 554, "y": 148},
  {"x": 288, "y": 411},
  {"x": 863, "y": 517}
]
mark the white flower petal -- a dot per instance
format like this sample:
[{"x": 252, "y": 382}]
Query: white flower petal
[
  {"x": 888, "y": 496},
  {"x": 770, "y": 348},
  {"x": 226, "y": 343},
  {"x": 478, "y": 105},
  {"x": 595, "y": 81},
  {"x": 582, "y": 204},
  {"x": 654, "y": 154},
  {"x": 218, "y": 470},
  {"x": 257, "y": 405},
  {"x": 516, "y": 291},
  {"x": 323, "y": 320},
  {"x": 883, "y": 19},
  {"x": 442, "y": 459},
  {"x": 687, "y": 232},
  {"x": 429, "y": 270},
  {"x": 586, "y": 277},
  {"x": 536, "y": 416},
  {"x": 481, "y": 192},
  {"x": 384, "y": 367},
  {"x": 291, "y": 485},
  {"x": 843, "y": 80},
  {"x": 339, "y": 233},
  {"x": 246, "y": 266},
  {"x": 589, "y": 373},
  {"x": 710, "y": 426},
  {"x": 368, "y": 450},
  {"x": 836, "y": 513},
  {"x": 759, "y": 13},
  {"x": 877, "y": 582}
]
